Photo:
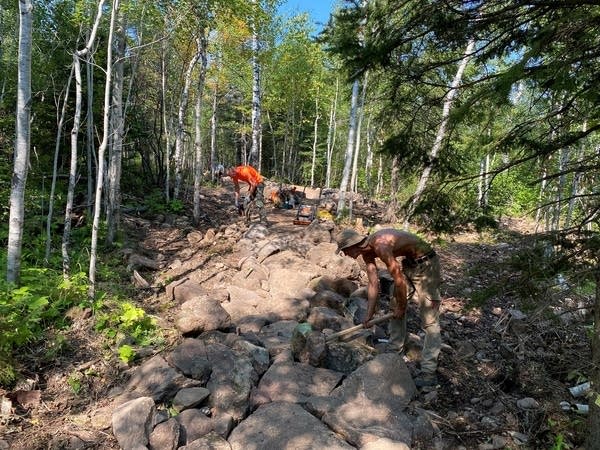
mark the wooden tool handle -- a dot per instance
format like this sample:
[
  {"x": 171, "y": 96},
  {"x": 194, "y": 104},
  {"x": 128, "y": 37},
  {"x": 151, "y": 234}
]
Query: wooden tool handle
[{"x": 351, "y": 330}]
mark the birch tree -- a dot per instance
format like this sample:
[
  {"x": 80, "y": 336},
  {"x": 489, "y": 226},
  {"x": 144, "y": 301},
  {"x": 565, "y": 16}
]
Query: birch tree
[
  {"x": 331, "y": 133},
  {"x": 60, "y": 125},
  {"x": 254, "y": 158},
  {"x": 441, "y": 133},
  {"x": 349, "y": 150},
  {"x": 77, "y": 55},
  {"x": 181, "y": 119},
  {"x": 117, "y": 133},
  {"x": 22, "y": 144},
  {"x": 101, "y": 151},
  {"x": 198, "y": 116}
]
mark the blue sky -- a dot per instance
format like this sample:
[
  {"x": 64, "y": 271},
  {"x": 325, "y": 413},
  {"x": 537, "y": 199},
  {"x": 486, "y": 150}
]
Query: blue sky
[{"x": 318, "y": 9}]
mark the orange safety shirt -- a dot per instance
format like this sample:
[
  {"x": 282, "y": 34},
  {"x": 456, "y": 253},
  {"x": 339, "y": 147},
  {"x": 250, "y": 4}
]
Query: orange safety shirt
[{"x": 247, "y": 174}]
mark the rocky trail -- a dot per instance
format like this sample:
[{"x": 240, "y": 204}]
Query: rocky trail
[{"x": 229, "y": 297}]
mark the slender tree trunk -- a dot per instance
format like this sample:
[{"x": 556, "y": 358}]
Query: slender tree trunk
[
  {"x": 392, "y": 208},
  {"x": 91, "y": 160},
  {"x": 166, "y": 121},
  {"x": 22, "y": 144},
  {"x": 72, "y": 167},
  {"x": 379, "y": 176},
  {"x": 563, "y": 161},
  {"x": 113, "y": 216},
  {"x": 183, "y": 104},
  {"x": 2, "y": 69},
  {"x": 441, "y": 133},
  {"x": 256, "y": 103},
  {"x": 314, "y": 148},
  {"x": 574, "y": 188},
  {"x": 198, "y": 116},
  {"x": 483, "y": 185},
  {"x": 349, "y": 151},
  {"x": 213, "y": 133},
  {"x": 540, "y": 210},
  {"x": 92, "y": 163},
  {"x": 331, "y": 134},
  {"x": 361, "y": 113},
  {"x": 101, "y": 151},
  {"x": 369, "y": 158},
  {"x": 60, "y": 126}
]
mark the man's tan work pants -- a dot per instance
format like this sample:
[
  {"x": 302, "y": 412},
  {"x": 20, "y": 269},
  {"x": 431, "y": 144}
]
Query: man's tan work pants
[{"x": 426, "y": 280}]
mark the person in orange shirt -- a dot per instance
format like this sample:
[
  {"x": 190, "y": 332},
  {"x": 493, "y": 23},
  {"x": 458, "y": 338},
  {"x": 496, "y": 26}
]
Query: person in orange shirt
[{"x": 256, "y": 188}]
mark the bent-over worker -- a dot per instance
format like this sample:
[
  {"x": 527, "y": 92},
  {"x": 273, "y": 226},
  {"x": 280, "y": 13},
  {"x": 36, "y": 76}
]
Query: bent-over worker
[
  {"x": 256, "y": 188},
  {"x": 421, "y": 268}
]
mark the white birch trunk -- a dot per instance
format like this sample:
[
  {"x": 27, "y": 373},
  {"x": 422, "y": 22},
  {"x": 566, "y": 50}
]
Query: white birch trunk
[
  {"x": 22, "y": 144},
  {"x": 198, "y": 138},
  {"x": 349, "y": 151},
  {"x": 314, "y": 147},
  {"x": 113, "y": 216},
  {"x": 90, "y": 148},
  {"x": 361, "y": 109},
  {"x": 369, "y": 158},
  {"x": 213, "y": 133},
  {"x": 575, "y": 184},
  {"x": 183, "y": 104},
  {"x": 60, "y": 126},
  {"x": 563, "y": 161},
  {"x": 101, "y": 152},
  {"x": 331, "y": 134},
  {"x": 392, "y": 208},
  {"x": 166, "y": 121},
  {"x": 256, "y": 104},
  {"x": 72, "y": 168},
  {"x": 379, "y": 176},
  {"x": 441, "y": 133}
]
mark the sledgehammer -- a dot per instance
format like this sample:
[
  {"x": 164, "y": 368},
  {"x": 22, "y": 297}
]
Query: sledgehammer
[
  {"x": 339, "y": 334},
  {"x": 310, "y": 346}
]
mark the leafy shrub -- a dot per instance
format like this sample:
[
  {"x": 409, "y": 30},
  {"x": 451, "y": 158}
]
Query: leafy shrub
[
  {"x": 126, "y": 324},
  {"x": 27, "y": 311}
]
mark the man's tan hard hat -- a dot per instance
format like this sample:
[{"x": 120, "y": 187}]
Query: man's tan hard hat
[{"x": 348, "y": 237}]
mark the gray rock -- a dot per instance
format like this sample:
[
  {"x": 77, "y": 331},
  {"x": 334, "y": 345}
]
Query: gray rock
[
  {"x": 384, "y": 444},
  {"x": 189, "y": 398},
  {"x": 296, "y": 382},
  {"x": 190, "y": 358},
  {"x": 194, "y": 425},
  {"x": 374, "y": 398},
  {"x": 132, "y": 423},
  {"x": 276, "y": 336},
  {"x": 165, "y": 436},
  {"x": 329, "y": 299},
  {"x": 212, "y": 441},
  {"x": 284, "y": 426},
  {"x": 322, "y": 317},
  {"x": 346, "y": 357},
  {"x": 308, "y": 346},
  {"x": 201, "y": 314},
  {"x": 231, "y": 381},
  {"x": 156, "y": 379}
]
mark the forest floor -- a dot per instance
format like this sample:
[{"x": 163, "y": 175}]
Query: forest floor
[{"x": 505, "y": 368}]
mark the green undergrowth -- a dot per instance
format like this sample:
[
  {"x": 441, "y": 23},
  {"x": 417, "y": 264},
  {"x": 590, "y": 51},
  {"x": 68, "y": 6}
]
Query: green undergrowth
[{"x": 36, "y": 316}]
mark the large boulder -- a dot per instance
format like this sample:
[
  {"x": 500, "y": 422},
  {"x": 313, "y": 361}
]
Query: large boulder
[{"x": 284, "y": 426}]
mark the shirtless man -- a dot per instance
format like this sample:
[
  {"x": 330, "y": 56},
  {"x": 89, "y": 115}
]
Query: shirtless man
[
  {"x": 256, "y": 188},
  {"x": 421, "y": 268}
]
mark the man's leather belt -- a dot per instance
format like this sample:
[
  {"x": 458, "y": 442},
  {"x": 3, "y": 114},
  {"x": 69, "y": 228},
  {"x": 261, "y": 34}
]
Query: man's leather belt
[{"x": 421, "y": 259}]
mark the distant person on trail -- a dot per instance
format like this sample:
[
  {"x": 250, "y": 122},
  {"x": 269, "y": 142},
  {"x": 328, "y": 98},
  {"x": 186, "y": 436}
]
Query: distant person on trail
[
  {"x": 256, "y": 188},
  {"x": 420, "y": 269}
]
